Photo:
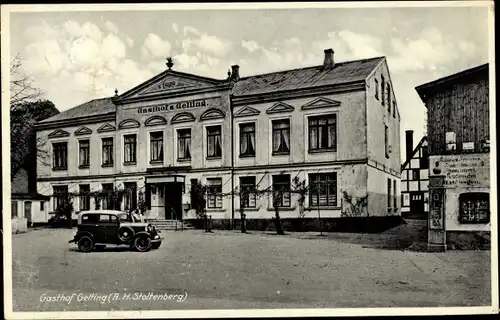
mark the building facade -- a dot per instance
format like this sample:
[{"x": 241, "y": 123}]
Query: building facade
[
  {"x": 415, "y": 179},
  {"x": 459, "y": 160},
  {"x": 334, "y": 126}
]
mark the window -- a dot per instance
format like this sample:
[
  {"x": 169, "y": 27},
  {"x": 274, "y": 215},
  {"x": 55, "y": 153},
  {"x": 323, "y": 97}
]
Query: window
[
  {"x": 84, "y": 153},
  {"x": 415, "y": 174},
  {"x": 281, "y": 136},
  {"x": 247, "y": 140},
  {"x": 389, "y": 195},
  {"x": 59, "y": 196},
  {"x": 130, "y": 196},
  {"x": 389, "y": 101},
  {"x": 107, "y": 218},
  {"x": 214, "y": 193},
  {"x": 474, "y": 207},
  {"x": 323, "y": 189},
  {"x": 84, "y": 197},
  {"x": 107, "y": 151},
  {"x": 424, "y": 159},
  {"x": 60, "y": 155},
  {"x": 156, "y": 141},
  {"x": 376, "y": 89},
  {"x": 281, "y": 190},
  {"x": 130, "y": 148},
  {"x": 395, "y": 194},
  {"x": 184, "y": 144},
  {"x": 247, "y": 193},
  {"x": 107, "y": 201},
  {"x": 214, "y": 142},
  {"x": 42, "y": 205},
  {"x": 13, "y": 212},
  {"x": 394, "y": 109},
  {"x": 382, "y": 89},
  {"x": 322, "y": 133},
  {"x": 386, "y": 141}
]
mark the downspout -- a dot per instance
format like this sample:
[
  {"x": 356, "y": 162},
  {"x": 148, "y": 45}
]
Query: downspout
[{"x": 232, "y": 160}]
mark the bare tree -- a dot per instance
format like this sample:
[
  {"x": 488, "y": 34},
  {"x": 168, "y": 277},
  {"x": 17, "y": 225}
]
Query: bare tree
[{"x": 22, "y": 88}]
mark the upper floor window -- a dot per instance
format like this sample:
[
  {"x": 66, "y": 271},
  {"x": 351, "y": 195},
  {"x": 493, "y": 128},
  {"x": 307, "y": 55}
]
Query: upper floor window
[
  {"x": 214, "y": 142},
  {"x": 323, "y": 189},
  {"x": 156, "y": 141},
  {"x": 184, "y": 144},
  {"x": 281, "y": 190},
  {"x": 60, "y": 193},
  {"x": 247, "y": 139},
  {"x": 281, "y": 136},
  {"x": 60, "y": 155},
  {"x": 323, "y": 132},
  {"x": 130, "y": 148},
  {"x": 386, "y": 141},
  {"x": 247, "y": 192},
  {"x": 84, "y": 197},
  {"x": 84, "y": 153},
  {"x": 382, "y": 89},
  {"x": 107, "y": 151},
  {"x": 214, "y": 193},
  {"x": 376, "y": 89},
  {"x": 389, "y": 98}
]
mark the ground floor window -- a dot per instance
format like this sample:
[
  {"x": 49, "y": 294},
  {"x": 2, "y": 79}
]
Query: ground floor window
[
  {"x": 281, "y": 190},
  {"x": 14, "y": 209},
  {"x": 247, "y": 192},
  {"x": 323, "y": 189},
  {"x": 474, "y": 207},
  {"x": 107, "y": 201},
  {"x": 214, "y": 193},
  {"x": 130, "y": 197},
  {"x": 389, "y": 202},
  {"x": 59, "y": 196},
  {"x": 84, "y": 197}
]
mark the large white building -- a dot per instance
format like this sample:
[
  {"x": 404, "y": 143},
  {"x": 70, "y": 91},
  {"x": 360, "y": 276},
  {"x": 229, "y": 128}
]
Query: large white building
[{"x": 335, "y": 125}]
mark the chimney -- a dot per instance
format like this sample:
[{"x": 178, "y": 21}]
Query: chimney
[
  {"x": 329, "y": 63},
  {"x": 409, "y": 143},
  {"x": 235, "y": 72}
]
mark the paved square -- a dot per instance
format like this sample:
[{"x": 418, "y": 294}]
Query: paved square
[{"x": 233, "y": 270}]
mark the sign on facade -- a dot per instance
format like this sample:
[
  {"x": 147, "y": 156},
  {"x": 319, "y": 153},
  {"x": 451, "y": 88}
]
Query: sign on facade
[
  {"x": 173, "y": 107},
  {"x": 462, "y": 170}
]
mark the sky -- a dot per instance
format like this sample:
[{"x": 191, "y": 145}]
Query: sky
[{"x": 76, "y": 56}]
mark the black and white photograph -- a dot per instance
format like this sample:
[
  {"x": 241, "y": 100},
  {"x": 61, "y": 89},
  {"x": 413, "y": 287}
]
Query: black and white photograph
[{"x": 249, "y": 159}]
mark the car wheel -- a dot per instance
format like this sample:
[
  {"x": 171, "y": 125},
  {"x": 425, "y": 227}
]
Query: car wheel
[
  {"x": 125, "y": 234},
  {"x": 85, "y": 244},
  {"x": 142, "y": 243},
  {"x": 156, "y": 245}
]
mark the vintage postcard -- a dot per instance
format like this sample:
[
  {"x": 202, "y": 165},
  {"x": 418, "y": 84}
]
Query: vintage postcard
[{"x": 248, "y": 160}]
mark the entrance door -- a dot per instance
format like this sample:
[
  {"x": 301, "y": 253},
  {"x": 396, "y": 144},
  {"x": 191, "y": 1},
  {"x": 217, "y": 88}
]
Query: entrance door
[
  {"x": 417, "y": 204},
  {"x": 27, "y": 211},
  {"x": 173, "y": 201}
]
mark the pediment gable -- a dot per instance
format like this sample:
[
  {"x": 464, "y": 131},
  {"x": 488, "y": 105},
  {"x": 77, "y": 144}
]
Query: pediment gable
[
  {"x": 246, "y": 112},
  {"x": 279, "y": 108},
  {"x": 170, "y": 82},
  {"x": 129, "y": 123},
  {"x": 183, "y": 117},
  {"x": 82, "y": 131},
  {"x": 59, "y": 133},
  {"x": 213, "y": 114},
  {"x": 106, "y": 128},
  {"x": 155, "y": 121},
  {"x": 321, "y": 103}
]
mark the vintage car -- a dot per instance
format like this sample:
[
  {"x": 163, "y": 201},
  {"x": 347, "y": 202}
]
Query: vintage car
[{"x": 100, "y": 227}]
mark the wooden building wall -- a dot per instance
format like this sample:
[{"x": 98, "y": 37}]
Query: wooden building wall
[{"x": 462, "y": 108}]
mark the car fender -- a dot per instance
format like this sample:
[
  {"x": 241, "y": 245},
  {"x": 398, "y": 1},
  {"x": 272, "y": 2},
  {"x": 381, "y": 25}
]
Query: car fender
[
  {"x": 80, "y": 234},
  {"x": 142, "y": 233}
]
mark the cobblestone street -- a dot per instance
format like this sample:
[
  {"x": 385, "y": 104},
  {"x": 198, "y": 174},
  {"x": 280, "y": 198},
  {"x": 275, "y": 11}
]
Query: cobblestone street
[{"x": 228, "y": 269}]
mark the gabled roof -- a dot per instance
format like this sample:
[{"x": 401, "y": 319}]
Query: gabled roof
[
  {"x": 341, "y": 73},
  {"x": 465, "y": 75},
  {"x": 419, "y": 145},
  {"x": 91, "y": 108}
]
